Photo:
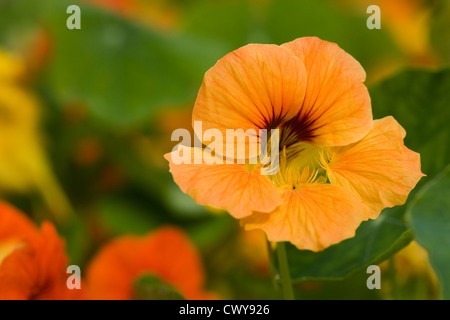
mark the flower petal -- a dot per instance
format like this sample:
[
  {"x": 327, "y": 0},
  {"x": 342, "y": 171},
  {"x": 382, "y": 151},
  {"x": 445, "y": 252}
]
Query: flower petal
[
  {"x": 118, "y": 260},
  {"x": 253, "y": 87},
  {"x": 312, "y": 217},
  {"x": 173, "y": 252},
  {"x": 166, "y": 253},
  {"x": 227, "y": 186},
  {"x": 37, "y": 269},
  {"x": 14, "y": 224},
  {"x": 337, "y": 104},
  {"x": 379, "y": 167}
]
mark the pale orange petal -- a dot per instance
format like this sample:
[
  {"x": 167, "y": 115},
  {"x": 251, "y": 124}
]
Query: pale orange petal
[
  {"x": 312, "y": 217},
  {"x": 253, "y": 87},
  {"x": 379, "y": 167},
  {"x": 226, "y": 186},
  {"x": 337, "y": 104}
]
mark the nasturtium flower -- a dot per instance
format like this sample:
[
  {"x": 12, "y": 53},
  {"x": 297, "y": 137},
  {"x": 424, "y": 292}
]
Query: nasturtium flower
[
  {"x": 337, "y": 166},
  {"x": 161, "y": 265},
  {"x": 33, "y": 262}
]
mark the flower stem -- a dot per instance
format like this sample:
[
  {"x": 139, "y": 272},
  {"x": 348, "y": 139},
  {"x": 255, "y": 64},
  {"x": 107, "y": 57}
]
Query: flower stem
[
  {"x": 286, "y": 282},
  {"x": 393, "y": 278},
  {"x": 272, "y": 269}
]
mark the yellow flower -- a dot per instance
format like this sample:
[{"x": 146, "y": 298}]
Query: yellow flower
[{"x": 23, "y": 164}]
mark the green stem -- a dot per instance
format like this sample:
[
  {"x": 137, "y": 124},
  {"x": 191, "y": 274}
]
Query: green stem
[
  {"x": 395, "y": 293},
  {"x": 286, "y": 282},
  {"x": 272, "y": 269}
]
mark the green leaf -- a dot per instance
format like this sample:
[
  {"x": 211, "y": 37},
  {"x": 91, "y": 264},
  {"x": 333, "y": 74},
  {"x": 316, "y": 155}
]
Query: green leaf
[
  {"x": 122, "y": 71},
  {"x": 182, "y": 204},
  {"x": 78, "y": 239},
  {"x": 440, "y": 24},
  {"x": 228, "y": 21},
  {"x": 429, "y": 213},
  {"x": 328, "y": 20},
  {"x": 279, "y": 21},
  {"x": 419, "y": 100},
  {"x": 212, "y": 231},
  {"x": 125, "y": 216},
  {"x": 149, "y": 287},
  {"x": 375, "y": 241}
]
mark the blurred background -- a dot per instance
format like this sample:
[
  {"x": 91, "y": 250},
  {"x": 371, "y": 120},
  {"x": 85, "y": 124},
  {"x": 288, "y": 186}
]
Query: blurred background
[{"x": 87, "y": 115}]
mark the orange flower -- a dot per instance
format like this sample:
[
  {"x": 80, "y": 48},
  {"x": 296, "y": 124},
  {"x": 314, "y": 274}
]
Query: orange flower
[
  {"x": 337, "y": 166},
  {"x": 165, "y": 254},
  {"x": 32, "y": 262}
]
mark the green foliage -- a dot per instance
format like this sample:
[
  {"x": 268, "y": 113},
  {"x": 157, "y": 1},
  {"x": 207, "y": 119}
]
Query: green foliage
[
  {"x": 120, "y": 70},
  {"x": 419, "y": 100},
  {"x": 228, "y": 21},
  {"x": 440, "y": 22},
  {"x": 78, "y": 239},
  {"x": 429, "y": 213},
  {"x": 374, "y": 242},
  {"x": 124, "y": 216},
  {"x": 149, "y": 287},
  {"x": 291, "y": 19},
  {"x": 131, "y": 70}
]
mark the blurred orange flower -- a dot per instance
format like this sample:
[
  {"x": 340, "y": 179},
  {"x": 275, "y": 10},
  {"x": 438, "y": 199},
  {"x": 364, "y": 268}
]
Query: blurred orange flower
[
  {"x": 33, "y": 262},
  {"x": 165, "y": 254},
  {"x": 337, "y": 167}
]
